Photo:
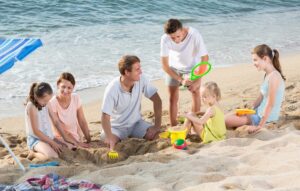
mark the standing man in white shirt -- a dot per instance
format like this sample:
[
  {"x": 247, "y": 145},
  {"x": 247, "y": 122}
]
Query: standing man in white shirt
[
  {"x": 121, "y": 117},
  {"x": 181, "y": 48}
]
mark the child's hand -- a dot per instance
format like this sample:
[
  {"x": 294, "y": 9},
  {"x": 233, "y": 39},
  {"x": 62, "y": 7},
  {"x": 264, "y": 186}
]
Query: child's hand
[
  {"x": 83, "y": 145},
  {"x": 186, "y": 82},
  {"x": 253, "y": 129},
  {"x": 56, "y": 147},
  {"x": 88, "y": 139},
  {"x": 60, "y": 143}
]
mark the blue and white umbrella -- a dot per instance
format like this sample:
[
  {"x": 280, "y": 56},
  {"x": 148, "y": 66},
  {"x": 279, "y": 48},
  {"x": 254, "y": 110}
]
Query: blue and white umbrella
[{"x": 12, "y": 50}]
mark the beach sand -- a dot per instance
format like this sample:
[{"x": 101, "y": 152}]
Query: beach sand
[{"x": 267, "y": 160}]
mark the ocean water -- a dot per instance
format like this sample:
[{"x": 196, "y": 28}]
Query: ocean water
[{"x": 87, "y": 38}]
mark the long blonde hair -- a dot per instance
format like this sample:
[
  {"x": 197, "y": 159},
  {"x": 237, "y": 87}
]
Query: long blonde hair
[{"x": 264, "y": 50}]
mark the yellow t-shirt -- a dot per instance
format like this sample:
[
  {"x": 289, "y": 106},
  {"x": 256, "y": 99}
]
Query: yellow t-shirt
[{"x": 214, "y": 129}]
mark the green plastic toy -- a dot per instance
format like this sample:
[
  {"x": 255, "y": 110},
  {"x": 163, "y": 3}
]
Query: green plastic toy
[{"x": 200, "y": 70}]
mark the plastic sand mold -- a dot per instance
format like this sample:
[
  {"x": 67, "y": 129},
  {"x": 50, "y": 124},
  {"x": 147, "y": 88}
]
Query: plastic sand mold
[
  {"x": 180, "y": 144},
  {"x": 113, "y": 154}
]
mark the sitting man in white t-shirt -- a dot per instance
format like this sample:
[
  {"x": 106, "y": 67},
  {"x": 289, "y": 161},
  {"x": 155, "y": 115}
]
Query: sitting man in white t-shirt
[
  {"x": 121, "y": 117},
  {"x": 181, "y": 48}
]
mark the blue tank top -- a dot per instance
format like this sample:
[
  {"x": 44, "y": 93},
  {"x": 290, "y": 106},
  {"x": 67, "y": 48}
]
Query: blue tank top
[{"x": 275, "y": 112}]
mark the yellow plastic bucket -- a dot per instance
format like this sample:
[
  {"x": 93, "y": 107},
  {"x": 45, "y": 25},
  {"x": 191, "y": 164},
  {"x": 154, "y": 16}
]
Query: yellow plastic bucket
[{"x": 177, "y": 133}]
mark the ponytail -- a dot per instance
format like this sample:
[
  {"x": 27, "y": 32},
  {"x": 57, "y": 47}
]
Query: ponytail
[
  {"x": 276, "y": 63},
  {"x": 30, "y": 97},
  {"x": 264, "y": 50},
  {"x": 38, "y": 90}
]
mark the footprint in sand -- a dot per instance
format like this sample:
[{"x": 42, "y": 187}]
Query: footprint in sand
[
  {"x": 214, "y": 177},
  {"x": 242, "y": 131},
  {"x": 148, "y": 114},
  {"x": 273, "y": 145},
  {"x": 291, "y": 99},
  {"x": 233, "y": 186},
  {"x": 297, "y": 125},
  {"x": 291, "y": 108},
  {"x": 14, "y": 139},
  {"x": 290, "y": 87},
  {"x": 3, "y": 152},
  {"x": 249, "y": 91},
  {"x": 237, "y": 142}
]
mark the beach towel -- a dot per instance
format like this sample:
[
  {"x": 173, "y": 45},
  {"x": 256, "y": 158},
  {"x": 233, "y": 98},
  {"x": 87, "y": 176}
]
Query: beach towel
[{"x": 54, "y": 182}]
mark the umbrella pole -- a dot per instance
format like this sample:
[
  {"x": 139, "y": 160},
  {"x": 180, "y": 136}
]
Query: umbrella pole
[{"x": 12, "y": 154}]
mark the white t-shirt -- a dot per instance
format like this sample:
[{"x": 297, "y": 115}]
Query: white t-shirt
[
  {"x": 184, "y": 55},
  {"x": 122, "y": 106}
]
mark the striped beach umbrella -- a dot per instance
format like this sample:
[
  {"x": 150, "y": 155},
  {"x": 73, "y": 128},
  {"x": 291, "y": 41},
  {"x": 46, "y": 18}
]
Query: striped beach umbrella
[{"x": 12, "y": 50}]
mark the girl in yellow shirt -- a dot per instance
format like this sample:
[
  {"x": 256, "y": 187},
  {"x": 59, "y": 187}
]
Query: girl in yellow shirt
[{"x": 211, "y": 126}]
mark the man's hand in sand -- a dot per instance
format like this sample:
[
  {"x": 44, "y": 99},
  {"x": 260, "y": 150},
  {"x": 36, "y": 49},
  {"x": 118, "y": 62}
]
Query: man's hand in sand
[
  {"x": 253, "y": 129},
  {"x": 111, "y": 141},
  {"x": 151, "y": 133}
]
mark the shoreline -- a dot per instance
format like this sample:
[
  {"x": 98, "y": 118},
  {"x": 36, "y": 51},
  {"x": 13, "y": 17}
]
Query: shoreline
[{"x": 94, "y": 94}]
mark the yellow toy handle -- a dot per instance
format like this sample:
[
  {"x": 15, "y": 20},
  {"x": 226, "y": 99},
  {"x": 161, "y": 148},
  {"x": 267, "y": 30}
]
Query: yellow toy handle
[{"x": 240, "y": 112}]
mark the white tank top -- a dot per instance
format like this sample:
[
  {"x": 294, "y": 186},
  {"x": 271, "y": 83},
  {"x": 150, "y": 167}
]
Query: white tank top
[{"x": 44, "y": 123}]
